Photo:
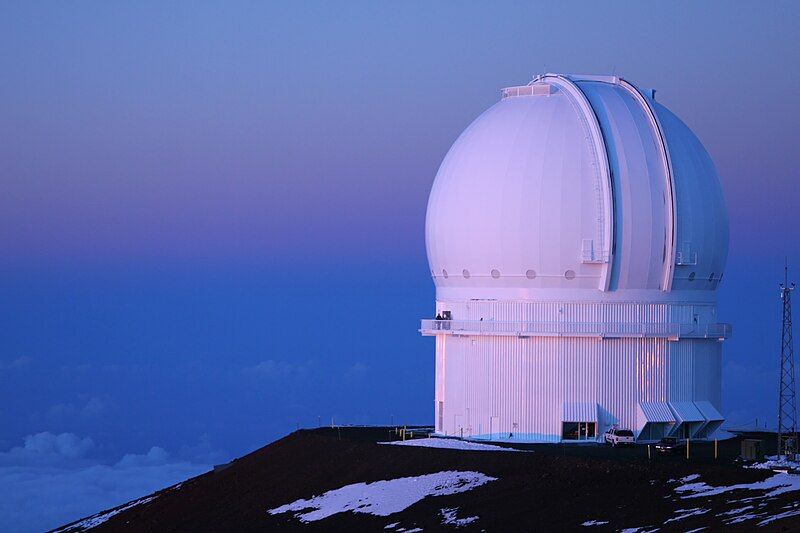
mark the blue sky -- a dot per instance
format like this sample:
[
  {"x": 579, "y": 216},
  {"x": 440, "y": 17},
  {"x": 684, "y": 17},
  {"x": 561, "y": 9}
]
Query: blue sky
[{"x": 212, "y": 214}]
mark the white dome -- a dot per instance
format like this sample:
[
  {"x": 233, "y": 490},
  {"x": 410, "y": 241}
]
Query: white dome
[{"x": 576, "y": 182}]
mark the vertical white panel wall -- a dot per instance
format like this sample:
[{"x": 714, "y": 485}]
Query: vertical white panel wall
[
  {"x": 696, "y": 371},
  {"x": 494, "y": 386}
]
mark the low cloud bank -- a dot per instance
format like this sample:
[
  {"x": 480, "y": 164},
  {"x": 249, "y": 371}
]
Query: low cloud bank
[{"x": 51, "y": 480}]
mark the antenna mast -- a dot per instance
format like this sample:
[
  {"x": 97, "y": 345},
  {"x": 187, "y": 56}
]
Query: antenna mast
[{"x": 787, "y": 403}]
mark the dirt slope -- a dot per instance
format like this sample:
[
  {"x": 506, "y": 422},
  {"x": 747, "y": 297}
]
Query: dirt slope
[{"x": 550, "y": 488}]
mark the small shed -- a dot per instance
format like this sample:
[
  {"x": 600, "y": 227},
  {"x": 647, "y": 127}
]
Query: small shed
[{"x": 752, "y": 449}]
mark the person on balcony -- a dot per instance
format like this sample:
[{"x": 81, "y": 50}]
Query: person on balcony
[{"x": 438, "y": 319}]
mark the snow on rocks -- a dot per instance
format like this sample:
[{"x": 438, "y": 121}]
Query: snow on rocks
[
  {"x": 401, "y": 529},
  {"x": 100, "y": 518},
  {"x": 450, "y": 517},
  {"x": 738, "y": 510},
  {"x": 785, "y": 514},
  {"x": 765, "y": 517},
  {"x": 741, "y": 518},
  {"x": 777, "y": 484},
  {"x": 451, "y": 444},
  {"x": 774, "y": 462},
  {"x": 686, "y": 513},
  {"x": 590, "y": 523},
  {"x": 383, "y": 498}
]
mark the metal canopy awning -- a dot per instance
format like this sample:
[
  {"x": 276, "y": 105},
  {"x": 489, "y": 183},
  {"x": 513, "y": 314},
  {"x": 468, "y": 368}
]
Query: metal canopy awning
[
  {"x": 656, "y": 412},
  {"x": 579, "y": 412},
  {"x": 708, "y": 411},
  {"x": 686, "y": 412}
]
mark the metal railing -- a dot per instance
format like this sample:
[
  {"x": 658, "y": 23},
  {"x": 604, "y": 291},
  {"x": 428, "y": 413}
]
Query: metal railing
[{"x": 574, "y": 329}]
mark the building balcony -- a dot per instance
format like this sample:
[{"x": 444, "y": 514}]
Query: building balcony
[{"x": 603, "y": 330}]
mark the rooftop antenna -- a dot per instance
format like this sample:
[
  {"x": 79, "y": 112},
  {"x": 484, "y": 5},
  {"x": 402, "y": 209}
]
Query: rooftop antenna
[{"x": 787, "y": 402}]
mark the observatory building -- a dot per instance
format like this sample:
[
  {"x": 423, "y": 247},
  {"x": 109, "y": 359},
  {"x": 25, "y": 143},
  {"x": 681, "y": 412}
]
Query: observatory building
[{"x": 576, "y": 233}]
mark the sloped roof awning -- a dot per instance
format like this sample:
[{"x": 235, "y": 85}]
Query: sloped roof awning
[
  {"x": 656, "y": 412},
  {"x": 708, "y": 411},
  {"x": 579, "y": 412},
  {"x": 686, "y": 412}
]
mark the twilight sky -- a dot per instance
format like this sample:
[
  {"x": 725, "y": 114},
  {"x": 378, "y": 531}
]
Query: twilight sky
[{"x": 211, "y": 214}]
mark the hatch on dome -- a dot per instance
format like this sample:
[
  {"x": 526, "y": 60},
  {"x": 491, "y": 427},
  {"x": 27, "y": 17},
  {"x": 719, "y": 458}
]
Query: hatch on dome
[{"x": 534, "y": 89}]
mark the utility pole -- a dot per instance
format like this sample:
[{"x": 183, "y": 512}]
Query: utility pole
[{"x": 787, "y": 402}]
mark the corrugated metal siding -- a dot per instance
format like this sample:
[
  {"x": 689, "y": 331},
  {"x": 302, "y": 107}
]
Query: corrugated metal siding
[
  {"x": 707, "y": 371},
  {"x": 708, "y": 411},
  {"x": 503, "y": 385},
  {"x": 531, "y": 311},
  {"x": 696, "y": 370},
  {"x": 652, "y": 367},
  {"x": 439, "y": 393},
  {"x": 656, "y": 412},
  {"x": 681, "y": 371},
  {"x": 558, "y": 311},
  {"x": 686, "y": 412},
  {"x": 579, "y": 412}
]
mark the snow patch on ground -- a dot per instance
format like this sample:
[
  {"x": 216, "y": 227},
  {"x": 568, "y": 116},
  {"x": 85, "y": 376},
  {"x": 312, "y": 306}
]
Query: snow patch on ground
[
  {"x": 589, "y": 523},
  {"x": 686, "y": 513},
  {"x": 451, "y": 444},
  {"x": 96, "y": 520},
  {"x": 785, "y": 514},
  {"x": 765, "y": 517},
  {"x": 741, "y": 518},
  {"x": 450, "y": 517},
  {"x": 740, "y": 510},
  {"x": 777, "y": 484},
  {"x": 773, "y": 462},
  {"x": 383, "y": 498}
]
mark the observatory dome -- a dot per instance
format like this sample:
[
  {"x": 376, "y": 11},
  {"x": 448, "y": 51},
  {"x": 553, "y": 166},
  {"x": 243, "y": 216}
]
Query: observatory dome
[
  {"x": 576, "y": 234},
  {"x": 576, "y": 184}
]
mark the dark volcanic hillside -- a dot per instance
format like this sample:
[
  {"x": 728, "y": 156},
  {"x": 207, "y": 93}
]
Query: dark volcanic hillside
[{"x": 552, "y": 487}]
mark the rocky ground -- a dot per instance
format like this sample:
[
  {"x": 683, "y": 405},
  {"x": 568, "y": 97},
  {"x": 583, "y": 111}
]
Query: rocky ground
[{"x": 542, "y": 488}]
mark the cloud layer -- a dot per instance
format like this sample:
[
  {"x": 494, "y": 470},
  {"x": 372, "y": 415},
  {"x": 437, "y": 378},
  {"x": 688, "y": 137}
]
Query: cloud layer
[{"x": 51, "y": 480}]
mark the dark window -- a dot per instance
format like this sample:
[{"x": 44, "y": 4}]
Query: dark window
[{"x": 578, "y": 430}]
